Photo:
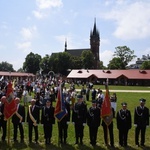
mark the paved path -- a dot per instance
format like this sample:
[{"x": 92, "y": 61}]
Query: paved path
[{"x": 127, "y": 91}]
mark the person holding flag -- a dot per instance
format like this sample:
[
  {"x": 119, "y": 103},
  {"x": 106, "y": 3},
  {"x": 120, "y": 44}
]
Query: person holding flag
[
  {"x": 61, "y": 114},
  {"x": 3, "y": 123},
  {"x": 107, "y": 115},
  {"x": 63, "y": 123},
  {"x": 18, "y": 119}
]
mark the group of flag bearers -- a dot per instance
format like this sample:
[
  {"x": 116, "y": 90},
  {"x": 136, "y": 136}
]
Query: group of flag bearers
[{"x": 80, "y": 116}]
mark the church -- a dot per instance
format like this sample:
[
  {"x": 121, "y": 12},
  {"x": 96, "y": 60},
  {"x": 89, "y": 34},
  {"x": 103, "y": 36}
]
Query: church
[{"x": 94, "y": 47}]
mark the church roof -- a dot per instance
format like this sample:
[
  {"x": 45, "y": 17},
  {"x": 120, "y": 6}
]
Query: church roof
[{"x": 76, "y": 52}]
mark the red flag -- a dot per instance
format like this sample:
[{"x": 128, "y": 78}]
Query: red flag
[
  {"x": 60, "y": 110},
  {"x": 10, "y": 106},
  {"x": 106, "y": 110}
]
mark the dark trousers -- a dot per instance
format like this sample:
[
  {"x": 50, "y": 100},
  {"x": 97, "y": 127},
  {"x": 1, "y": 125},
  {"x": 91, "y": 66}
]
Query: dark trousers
[
  {"x": 4, "y": 128},
  {"x": 79, "y": 132},
  {"x": 31, "y": 126},
  {"x": 137, "y": 133},
  {"x": 62, "y": 131},
  {"x": 20, "y": 126},
  {"x": 111, "y": 135},
  {"x": 47, "y": 131},
  {"x": 93, "y": 134},
  {"x": 123, "y": 136}
]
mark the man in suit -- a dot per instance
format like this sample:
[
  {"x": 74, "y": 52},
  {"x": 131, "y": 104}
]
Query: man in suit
[
  {"x": 33, "y": 116},
  {"x": 3, "y": 122},
  {"x": 18, "y": 119},
  {"x": 79, "y": 118},
  {"x": 93, "y": 121},
  {"x": 123, "y": 124},
  {"x": 48, "y": 119},
  {"x": 141, "y": 120},
  {"x": 63, "y": 124}
]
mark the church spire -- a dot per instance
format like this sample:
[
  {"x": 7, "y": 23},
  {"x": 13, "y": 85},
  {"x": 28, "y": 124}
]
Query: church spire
[{"x": 65, "y": 45}]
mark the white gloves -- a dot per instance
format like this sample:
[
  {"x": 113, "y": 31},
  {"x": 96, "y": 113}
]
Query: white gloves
[
  {"x": 68, "y": 122},
  {"x": 84, "y": 124},
  {"x": 135, "y": 125},
  {"x": 73, "y": 123}
]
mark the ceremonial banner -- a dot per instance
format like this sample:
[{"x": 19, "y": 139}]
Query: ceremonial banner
[
  {"x": 60, "y": 110},
  {"x": 106, "y": 110},
  {"x": 10, "y": 106}
]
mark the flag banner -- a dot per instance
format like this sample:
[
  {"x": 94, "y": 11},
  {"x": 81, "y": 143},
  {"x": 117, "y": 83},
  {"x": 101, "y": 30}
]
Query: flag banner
[
  {"x": 106, "y": 110},
  {"x": 10, "y": 106},
  {"x": 60, "y": 110}
]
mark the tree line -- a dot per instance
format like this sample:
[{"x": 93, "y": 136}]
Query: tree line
[{"x": 62, "y": 62}]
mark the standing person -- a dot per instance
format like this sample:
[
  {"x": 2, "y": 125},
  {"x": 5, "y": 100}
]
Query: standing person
[
  {"x": 108, "y": 128},
  {"x": 141, "y": 120},
  {"x": 87, "y": 93},
  {"x": 3, "y": 122},
  {"x": 18, "y": 119},
  {"x": 33, "y": 116},
  {"x": 113, "y": 100},
  {"x": 93, "y": 121},
  {"x": 63, "y": 124},
  {"x": 48, "y": 119},
  {"x": 123, "y": 124},
  {"x": 79, "y": 118}
]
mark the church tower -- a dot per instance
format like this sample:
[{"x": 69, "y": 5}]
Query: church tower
[{"x": 95, "y": 43}]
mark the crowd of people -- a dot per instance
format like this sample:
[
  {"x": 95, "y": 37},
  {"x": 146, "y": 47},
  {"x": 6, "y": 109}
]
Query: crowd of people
[{"x": 37, "y": 99}]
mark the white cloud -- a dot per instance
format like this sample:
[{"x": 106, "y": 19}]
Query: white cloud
[
  {"x": 132, "y": 20},
  {"x": 46, "y": 4},
  {"x": 106, "y": 56},
  {"x": 25, "y": 46},
  {"x": 28, "y": 33},
  {"x": 38, "y": 14}
]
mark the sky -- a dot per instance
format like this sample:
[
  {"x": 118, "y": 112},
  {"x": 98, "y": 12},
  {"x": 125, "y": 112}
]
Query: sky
[{"x": 42, "y": 26}]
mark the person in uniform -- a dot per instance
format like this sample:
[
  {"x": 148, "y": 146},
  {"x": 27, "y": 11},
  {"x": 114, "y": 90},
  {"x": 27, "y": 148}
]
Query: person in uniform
[
  {"x": 141, "y": 120},
  {"x": 3, "y": 122},
  {"x": 93, "y": 122},
  {"x": 123, "y": 119},
  {"x": 108, "y": 128},
  {"x": 48, "y": 119},
  {"x": 18, "y": 119},
  {"x": 33, "y": 116},
  {"x": 63, "y": 123},
  {"x": 79, "y": 118}
]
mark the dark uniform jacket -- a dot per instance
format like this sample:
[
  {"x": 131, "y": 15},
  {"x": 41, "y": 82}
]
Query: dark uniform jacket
[
  {"x": 67, "y": 116},
  {"x": 141, "y": 116},
  {"x": 21, "y": 111},
  {"x": 123, "y": 119},
  {"x": 2, "y": 114},
  {"x": 47, "y": 116},
  {"x": 35, "y": 113},
  {"x": 79, "y": 113},
  {"x": 93, "y": 117}
]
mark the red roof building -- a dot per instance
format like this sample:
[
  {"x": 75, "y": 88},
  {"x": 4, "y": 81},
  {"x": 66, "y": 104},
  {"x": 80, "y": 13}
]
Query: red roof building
[{"x": 121, "y": 77}]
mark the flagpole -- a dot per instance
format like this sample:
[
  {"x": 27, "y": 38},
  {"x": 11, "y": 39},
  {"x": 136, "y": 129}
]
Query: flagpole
[{"x": 8, "y": 132}]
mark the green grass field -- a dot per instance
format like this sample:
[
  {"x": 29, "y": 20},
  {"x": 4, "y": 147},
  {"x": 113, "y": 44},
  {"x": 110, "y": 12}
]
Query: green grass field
[{"x": 131, "y": 98}]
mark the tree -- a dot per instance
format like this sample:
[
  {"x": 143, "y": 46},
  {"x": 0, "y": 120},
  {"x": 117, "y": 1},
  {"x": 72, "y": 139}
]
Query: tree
[
  {"x": 5, "y": 66},
  {"x": 32, "y": 63},
  {"x": 45, "y": 64},
  {"x": 87, "y": 58},
  {"x": 60, "y": 62},
  {"x": 116, "y": 63},
  {"x": 125, "y": 54},
  {"x": 145, "y": 65}
]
